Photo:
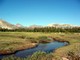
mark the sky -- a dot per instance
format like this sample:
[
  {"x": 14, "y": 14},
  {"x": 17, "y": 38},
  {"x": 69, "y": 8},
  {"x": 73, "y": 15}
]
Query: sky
[{"x": 40, "y": 12}]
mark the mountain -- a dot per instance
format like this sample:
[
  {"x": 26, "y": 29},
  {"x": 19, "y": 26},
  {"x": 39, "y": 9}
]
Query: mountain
[
  {"x": 62, "y": 25},
  {"x": 19, "y": 25},
  {"x": 35, "y": 26},
  {"x": 6, "y": 25}
]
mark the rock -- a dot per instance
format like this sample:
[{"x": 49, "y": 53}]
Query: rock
[{"x": 63, "y": 58}]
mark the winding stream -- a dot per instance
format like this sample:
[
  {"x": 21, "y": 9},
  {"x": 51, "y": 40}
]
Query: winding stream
[{"x": 47, "y": 47}]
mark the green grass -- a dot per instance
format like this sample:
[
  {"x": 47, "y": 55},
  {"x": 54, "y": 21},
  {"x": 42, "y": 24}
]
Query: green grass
[
  {"x": 71, "y": 37},
  {"x": 11, "y": 41},
  {"x": 67, "y": 50}
]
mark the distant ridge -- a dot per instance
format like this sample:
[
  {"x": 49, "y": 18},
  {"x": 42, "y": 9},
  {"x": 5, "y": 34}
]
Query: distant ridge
[
  {"x": 6, "y": 25},
  {"x": 62, "y": 25}
]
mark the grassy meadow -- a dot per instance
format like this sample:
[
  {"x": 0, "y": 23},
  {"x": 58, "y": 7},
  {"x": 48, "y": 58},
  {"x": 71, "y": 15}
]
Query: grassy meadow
[{"x": 13, "y": 41}]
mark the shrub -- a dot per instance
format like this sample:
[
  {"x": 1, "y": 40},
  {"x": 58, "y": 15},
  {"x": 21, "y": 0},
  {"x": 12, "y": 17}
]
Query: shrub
[
  {"x": 40, "y": 56},
  {"x": 44, "y": 39}
]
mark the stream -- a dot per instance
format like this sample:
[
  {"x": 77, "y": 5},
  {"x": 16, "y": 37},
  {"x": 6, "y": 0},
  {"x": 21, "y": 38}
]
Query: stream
[{"x": 46, "y": 47}]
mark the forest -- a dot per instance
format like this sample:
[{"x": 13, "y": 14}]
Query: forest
[{"x": 43, "y": 29}]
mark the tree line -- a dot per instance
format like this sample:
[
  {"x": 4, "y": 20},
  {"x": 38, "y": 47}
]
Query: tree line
[{"x": 43, "y": 29}]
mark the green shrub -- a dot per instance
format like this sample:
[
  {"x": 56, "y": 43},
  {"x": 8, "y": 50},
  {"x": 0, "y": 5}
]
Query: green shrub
[
  {"x": 44, "y": 39},
  {"x": 10, "y": 58},
  {"x": 40, "y": 56}
]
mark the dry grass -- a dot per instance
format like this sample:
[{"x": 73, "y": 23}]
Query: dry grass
[{"x": 12, "y": 41}]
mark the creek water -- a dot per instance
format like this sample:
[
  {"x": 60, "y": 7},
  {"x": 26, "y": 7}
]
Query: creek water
[{"x": 46, "y": 47}]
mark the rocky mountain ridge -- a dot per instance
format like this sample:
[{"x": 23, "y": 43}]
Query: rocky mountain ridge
[{"x": 6, "y": 25}]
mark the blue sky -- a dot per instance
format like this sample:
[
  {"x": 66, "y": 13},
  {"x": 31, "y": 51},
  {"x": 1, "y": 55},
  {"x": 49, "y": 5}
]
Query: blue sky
[{"x": 40, "y": 12}]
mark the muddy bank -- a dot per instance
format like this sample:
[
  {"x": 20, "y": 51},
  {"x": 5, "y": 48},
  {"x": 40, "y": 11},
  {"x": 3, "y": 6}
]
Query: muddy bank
[
  {"x": 59, "y": 40},
  {"x": 19, "y": 48}
]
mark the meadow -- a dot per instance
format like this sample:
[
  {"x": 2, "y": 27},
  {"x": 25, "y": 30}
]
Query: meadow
[{"x": 14, "y": 41}]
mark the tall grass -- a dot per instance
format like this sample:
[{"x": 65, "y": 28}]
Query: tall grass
[
  {"x": 71, "y": 52},
  {"x": 11, "y": 41},
  {"x": 36, "y": 56}
]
